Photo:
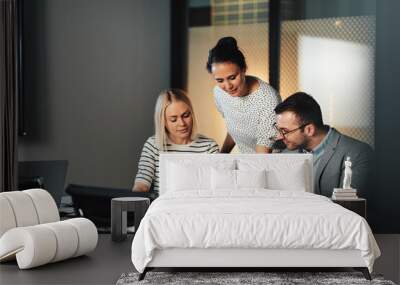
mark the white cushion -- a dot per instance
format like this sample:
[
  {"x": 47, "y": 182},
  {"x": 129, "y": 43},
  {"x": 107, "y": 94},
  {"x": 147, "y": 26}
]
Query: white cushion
[
  {"x": 183, "y": 177},
  {"x": 251, "y": 178},
  {"x": 223, "y": 179},
  {"x": 87, "y": 235},
  {"x": 293, "y": 180},
  {"x": 67, "y": 239},
  {"x": 290, "y": 175},
  {"x": 45, "y": 205},
  {"x": 283, "y": 171},
  {"x": 34, "y": 244},
  {"x": 40, "y": 244},
  {"x": 7, "y": 218},
  {"x": 186, "y": 174},
  {"x": 23, "y": 208},
  {"x": 26, "y": 208}
]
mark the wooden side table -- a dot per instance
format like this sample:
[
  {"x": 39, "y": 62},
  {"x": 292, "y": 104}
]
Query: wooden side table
[
  {"x": 358, "y": 205},
  {"x": 119, "y": 208}
]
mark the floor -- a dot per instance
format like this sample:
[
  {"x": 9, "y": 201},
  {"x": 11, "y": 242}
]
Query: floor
[
  {"x": 388, "y": 263},
  {"x": 111, "y": 259},
  {"x": 103, "y": 266}
]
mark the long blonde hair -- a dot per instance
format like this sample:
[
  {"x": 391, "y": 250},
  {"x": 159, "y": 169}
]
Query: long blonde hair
[{"x": 166, "y": 98}]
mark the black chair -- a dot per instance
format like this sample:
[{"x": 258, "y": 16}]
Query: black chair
[
  {"x": 95, "y": 202},
  {"x": 30, "y": 182},
  {"x": 47, "y": 174}
]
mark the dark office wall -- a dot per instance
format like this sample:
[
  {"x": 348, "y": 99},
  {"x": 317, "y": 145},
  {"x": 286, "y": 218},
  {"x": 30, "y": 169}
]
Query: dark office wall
[
  {"x": 386, "y": 200},
  {"x": 315, "y": 9},
  {"x": 339, "y": 8},
  {"x": 93, "y": 69}
]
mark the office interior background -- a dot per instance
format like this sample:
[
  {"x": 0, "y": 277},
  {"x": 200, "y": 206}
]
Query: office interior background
[
  {"x": 92, "y": 70},
  {"x": 91, "y": 79}
]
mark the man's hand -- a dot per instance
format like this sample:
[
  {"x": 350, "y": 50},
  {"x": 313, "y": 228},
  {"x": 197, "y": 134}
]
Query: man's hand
[{"x": 263, "y": 149}]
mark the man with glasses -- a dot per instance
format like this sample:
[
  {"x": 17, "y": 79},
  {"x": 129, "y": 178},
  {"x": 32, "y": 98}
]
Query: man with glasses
[{"x": 299, "y": 125}]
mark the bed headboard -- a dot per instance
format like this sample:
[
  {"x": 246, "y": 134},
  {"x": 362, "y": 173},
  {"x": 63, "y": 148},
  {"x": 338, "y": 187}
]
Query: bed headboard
[{"x": 285, "y": 170}]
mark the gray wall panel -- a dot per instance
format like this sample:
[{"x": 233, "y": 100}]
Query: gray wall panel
[
  {"x": 385, "y": 203},
  {"x": 93, "y": 69}
]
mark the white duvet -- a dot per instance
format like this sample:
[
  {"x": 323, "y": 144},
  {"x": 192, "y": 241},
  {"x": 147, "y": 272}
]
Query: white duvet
[{"x": 253, "y": 218}]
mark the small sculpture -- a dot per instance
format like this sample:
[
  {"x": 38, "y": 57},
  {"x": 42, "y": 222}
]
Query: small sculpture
[{"x": 347, "y": 174}]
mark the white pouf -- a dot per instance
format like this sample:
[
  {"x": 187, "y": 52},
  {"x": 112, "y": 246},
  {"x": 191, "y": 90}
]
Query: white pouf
[{"x": 31, "y": 232}]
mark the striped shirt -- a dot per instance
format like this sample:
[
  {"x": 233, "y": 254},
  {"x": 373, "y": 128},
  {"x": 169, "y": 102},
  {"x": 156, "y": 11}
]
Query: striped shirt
[{"x": 148, "y": 168}]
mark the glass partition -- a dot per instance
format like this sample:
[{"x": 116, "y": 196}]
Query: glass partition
[{"x": 331, "y": 55}]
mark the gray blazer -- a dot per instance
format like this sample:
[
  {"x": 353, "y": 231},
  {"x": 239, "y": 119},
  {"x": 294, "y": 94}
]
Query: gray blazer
[{"x": 330, "y": 171}]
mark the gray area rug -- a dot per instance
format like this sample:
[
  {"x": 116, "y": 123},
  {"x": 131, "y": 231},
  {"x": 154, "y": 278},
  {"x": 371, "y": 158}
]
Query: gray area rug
[{"x": 229, "y": 278}]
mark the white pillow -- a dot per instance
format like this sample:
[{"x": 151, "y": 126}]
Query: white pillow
[
  {"x": 293, "y": 180},
  {"x": 251, "y": 178},
  {"x": 187, "y": 174},
  {"x": 237, "y": 179},
  {"x": 223, "y": 179},
  {"x": 181, "y": 177},
  {"x": 281, "y": 174}
]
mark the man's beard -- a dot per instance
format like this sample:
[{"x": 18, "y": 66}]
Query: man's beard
[{"x": 304, "y": 145}]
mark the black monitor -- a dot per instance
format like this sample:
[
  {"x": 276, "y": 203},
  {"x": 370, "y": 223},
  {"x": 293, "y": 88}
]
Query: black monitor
[{"x": 46, "y": 174}]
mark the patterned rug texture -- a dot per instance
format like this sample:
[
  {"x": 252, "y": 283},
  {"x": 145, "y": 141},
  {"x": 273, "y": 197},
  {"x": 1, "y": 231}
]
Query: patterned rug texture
[{"x": 270, "y": 278}]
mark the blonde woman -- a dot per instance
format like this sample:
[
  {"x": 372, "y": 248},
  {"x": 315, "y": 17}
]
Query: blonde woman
[{"x": 175, "y": 126}]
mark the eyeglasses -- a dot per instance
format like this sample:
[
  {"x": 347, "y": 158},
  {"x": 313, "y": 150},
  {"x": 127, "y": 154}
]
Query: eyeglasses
[{"x": 285, "y": 133}]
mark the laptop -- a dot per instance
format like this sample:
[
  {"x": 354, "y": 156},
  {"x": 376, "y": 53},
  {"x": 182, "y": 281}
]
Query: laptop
[{"x": 47, "y": 174}]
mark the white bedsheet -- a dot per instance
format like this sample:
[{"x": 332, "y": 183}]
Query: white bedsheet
[{"x": 253, "y": 218}]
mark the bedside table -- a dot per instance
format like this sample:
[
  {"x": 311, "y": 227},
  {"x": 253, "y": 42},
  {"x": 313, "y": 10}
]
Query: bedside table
[
  {"x": 358, "y": 205},
  {"x": 119, "y": 208}
]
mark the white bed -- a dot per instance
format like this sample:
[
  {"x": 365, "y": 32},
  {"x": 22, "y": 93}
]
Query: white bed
[{"x": 247, "y": 211}]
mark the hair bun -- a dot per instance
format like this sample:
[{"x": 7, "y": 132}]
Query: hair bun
[
  {"x": 227, "y": 43},
  {"x": 226, "y": 50}
]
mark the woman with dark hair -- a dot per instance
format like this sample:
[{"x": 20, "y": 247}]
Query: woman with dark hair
[{"x": 246, "y": 102}]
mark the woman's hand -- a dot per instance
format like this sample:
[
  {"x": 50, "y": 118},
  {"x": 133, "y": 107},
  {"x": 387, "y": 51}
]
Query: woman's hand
[{"x": 140, "y": 187}]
